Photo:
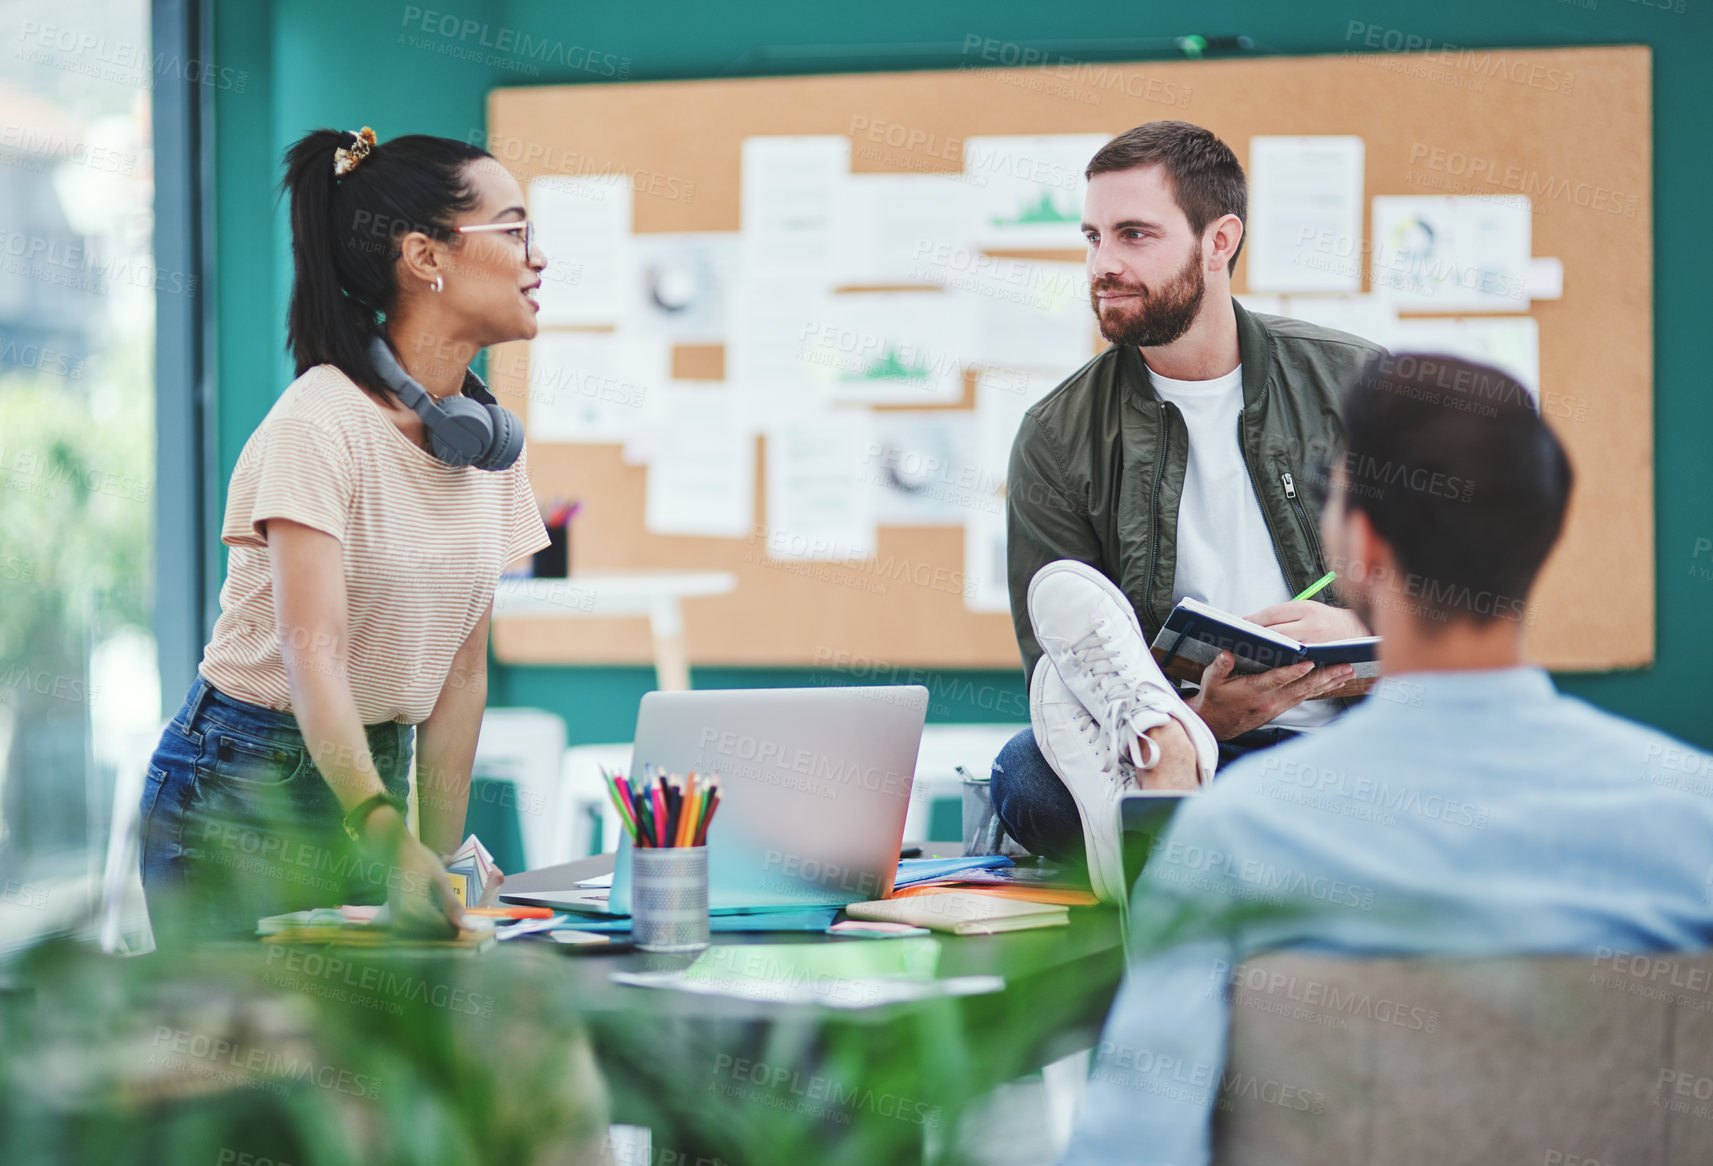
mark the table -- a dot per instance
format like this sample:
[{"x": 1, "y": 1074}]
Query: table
[
  {"x": 658, "y": 595},
  {"x": 865, "y": 1085}
]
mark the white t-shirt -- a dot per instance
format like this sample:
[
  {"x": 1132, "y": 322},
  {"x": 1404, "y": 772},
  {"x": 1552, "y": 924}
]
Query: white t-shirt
[{"x": 1225, "y": 552}]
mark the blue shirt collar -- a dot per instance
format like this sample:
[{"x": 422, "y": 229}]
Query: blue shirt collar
[{"x": 1503, "y": 687}]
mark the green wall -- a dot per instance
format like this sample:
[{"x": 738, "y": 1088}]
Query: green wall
[{"x": 309, "y": 63}]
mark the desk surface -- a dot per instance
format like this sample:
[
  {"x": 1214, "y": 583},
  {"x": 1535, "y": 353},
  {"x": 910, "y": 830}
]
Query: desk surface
[
  {"x": 724, "y": 1079},
  {"x": 1089, "y": 944}
]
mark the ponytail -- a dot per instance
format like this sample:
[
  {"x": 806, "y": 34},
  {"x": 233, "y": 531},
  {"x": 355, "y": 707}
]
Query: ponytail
[{"x": 345, "y": 234}]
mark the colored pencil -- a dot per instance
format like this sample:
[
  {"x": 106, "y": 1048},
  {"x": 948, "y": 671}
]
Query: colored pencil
[
  {"x": 621, "y": 799},
  {"x": 686, "y": 815},
  {"x": 713, "y": 803},
  {"x": 629, "y": 803},
  {"x": 692, "y": 805},
  {"x": 658, "y": 794}
]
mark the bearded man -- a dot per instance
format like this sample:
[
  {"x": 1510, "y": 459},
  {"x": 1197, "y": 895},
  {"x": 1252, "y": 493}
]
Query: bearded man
[{"x": 1190, "y": 458}]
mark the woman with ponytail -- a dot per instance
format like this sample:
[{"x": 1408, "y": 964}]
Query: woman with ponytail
[{"x": 368, "y": 517}]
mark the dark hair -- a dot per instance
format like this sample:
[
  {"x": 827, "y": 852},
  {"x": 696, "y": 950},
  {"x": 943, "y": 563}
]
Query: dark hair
[
  {"x": 1206, "y": 177},
  {"x": 345, "y": 232},
  {"x": 1455, "y": 469}
]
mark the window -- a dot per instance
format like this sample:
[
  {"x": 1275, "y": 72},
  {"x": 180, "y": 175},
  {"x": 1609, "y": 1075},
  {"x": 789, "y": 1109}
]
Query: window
[{"x": 79, "y": 286}]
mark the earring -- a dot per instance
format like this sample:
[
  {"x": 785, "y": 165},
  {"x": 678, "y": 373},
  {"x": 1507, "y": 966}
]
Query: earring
[{"x": 439, "y": 283}]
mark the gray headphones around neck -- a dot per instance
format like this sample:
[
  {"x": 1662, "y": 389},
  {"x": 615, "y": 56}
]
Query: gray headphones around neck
[{"x": 462, "y": 431}]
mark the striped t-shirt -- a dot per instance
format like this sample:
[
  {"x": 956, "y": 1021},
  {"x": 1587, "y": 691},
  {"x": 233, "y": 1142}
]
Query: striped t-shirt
[{"x": 423, "y": 546}]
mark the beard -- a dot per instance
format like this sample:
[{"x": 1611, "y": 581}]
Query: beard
[{"x": 1158, "y": 317}]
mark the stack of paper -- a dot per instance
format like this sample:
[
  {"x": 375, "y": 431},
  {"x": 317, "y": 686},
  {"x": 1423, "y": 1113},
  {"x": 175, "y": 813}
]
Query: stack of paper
[
  {"x": 472, "y": 871},
  {"x": 962, "y": 914}
]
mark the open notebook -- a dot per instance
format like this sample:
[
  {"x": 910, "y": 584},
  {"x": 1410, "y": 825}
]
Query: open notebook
[{"x": 1196, "y": 632}]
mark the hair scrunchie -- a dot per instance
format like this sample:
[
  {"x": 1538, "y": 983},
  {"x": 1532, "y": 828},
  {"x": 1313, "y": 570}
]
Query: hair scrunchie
[{"x": 346, "y": 158}]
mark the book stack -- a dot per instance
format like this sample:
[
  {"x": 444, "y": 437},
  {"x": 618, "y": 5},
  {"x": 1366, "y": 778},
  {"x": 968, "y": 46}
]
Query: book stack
[
  {"x": 961, "y": 913},
  {"x": 367, "y": 927}
]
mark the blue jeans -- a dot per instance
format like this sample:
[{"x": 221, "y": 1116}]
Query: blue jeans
[
  {"x": 238, "y": 823},
  {"x": 1039, "y": 812}
]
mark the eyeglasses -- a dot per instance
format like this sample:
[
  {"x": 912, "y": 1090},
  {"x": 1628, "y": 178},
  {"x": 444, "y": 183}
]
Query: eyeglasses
[{"x": 525, "y": 226}]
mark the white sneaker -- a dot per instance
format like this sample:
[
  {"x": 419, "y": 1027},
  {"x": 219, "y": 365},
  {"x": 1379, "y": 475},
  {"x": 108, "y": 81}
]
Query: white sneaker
[
  {"x": 1089, "y": 630},
  {"x": 1096, "y": 774}
]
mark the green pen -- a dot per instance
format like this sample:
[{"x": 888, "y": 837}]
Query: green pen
[{"x": 1314, "y": 588}]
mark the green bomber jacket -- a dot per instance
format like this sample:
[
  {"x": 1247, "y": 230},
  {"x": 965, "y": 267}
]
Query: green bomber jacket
[{"x": 1097, "y": 468}]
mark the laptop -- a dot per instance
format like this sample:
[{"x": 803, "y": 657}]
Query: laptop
[{"x": 814, "y": 786}]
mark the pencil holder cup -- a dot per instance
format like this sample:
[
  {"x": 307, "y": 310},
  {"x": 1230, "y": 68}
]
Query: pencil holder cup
[{"x": 669, "y": 898}]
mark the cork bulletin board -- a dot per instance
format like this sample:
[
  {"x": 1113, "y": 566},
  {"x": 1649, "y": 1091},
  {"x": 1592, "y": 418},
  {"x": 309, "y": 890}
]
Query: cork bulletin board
[{"x": 1485, "y": 123}]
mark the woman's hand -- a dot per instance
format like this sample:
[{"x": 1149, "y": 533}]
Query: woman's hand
[{"x": 418, "y": 892}]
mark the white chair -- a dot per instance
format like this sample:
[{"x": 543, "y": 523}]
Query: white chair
[
  {"x": 586, "y": 800},
  {"x": 525, "y": 747},
  {"x": 125, "y": 926}
]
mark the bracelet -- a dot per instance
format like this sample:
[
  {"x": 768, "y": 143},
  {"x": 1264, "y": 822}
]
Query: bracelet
[{"x": 359, "y": 813}]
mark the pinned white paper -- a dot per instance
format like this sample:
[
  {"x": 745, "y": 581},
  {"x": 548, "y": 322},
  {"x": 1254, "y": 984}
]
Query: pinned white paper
[
  {"x": 1508, "y": 343},
  {"x": 1002, "y": 397},
  {"x": 593, "y": 386},
  {"x": 790, "y": 198},
  {"x": 583, "y": 225},
  {"x": 918, "y": 465},
  {"x": 683, "y": 285},
  {"x": 1305, "y": 214},
  {"x": 774, "y": 322},
  {"x": 1032, "y": 313},
  {"x": 818, "y": 506},
  {"x": 1370, "y": 317},
  {"x": 891, "y": 348},
  {"x": 1029, "y": 190},
  {"x": 1546, "y": 278},
  {"x": 1451, "y": 254},
  {"x": 701, "y": 472},
  {"x": 898, "y": 229}
]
